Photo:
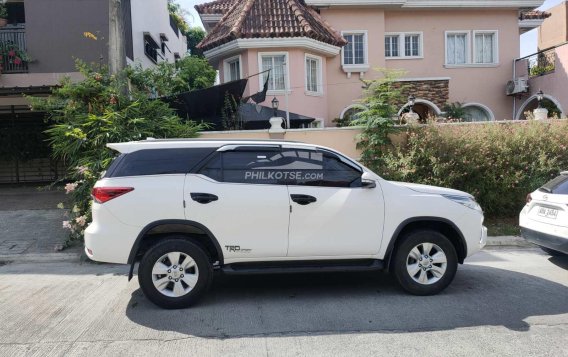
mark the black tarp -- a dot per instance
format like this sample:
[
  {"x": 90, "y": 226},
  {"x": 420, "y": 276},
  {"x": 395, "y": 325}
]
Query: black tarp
[{"x": 206, "y": 105}]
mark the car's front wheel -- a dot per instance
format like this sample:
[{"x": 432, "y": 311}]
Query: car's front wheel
[
  {"x": 174, "y": 273},
  {"x": 425, "y": 262}
]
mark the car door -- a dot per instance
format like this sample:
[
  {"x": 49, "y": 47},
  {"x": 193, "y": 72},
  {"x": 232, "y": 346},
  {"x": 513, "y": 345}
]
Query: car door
[
  {"x": 247, "y": 212},
  {"x": 332, "y": 214}
]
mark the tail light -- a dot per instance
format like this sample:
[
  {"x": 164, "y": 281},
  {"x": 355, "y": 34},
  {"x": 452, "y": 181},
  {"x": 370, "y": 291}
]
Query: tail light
[
  {"x": 529, "y": 198},
  {"x": 104, "y": 194}
]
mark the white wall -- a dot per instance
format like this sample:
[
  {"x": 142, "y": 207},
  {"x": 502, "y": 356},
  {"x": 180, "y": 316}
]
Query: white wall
[{"x": 152, "y": 16}]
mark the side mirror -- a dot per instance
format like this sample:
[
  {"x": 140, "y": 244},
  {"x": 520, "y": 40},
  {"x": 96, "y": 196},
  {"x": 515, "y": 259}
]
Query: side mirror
[{"x": 367, "y": 183}]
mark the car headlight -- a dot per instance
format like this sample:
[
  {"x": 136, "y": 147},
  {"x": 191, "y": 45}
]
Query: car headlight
[{"x": 466, "y": 201}]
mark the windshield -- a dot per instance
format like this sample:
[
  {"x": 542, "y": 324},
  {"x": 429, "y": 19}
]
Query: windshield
[{"x": 558, "y": 185}]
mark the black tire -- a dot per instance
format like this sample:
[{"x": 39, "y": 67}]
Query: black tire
[
  {"x": 409, "y": 242},
  {"x": 175, "y": 244},
  {"x": 553, "y": 252}
]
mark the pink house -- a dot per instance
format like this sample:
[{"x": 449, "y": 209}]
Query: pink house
[
  {"x": 318, "y": 50},
  {"x": 546, "y": 70}
]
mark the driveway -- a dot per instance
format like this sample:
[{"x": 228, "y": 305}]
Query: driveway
[
  {"x": 30, "y": 222},
  {"x": 503, "y": 302}
]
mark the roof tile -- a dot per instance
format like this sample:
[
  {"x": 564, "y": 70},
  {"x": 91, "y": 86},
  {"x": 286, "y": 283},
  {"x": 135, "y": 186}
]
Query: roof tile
[
  {"x": 534, "y": 15},
  {"x": 215, "y": 7},
  {"x": 267, "y": 19}
]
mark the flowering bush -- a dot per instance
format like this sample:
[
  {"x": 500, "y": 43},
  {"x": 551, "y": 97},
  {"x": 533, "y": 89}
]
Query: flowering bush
[
  {"x": 499, "y": 163},
  {"x": 11, "y": 54},
  {"x": 88, "y": 115}
]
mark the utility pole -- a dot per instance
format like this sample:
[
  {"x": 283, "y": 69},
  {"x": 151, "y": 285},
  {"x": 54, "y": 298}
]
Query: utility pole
[{"x": 116, "y": 51}]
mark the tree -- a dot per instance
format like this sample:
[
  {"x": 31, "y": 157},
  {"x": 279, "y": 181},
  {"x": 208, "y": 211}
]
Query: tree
[
  {"x": 194, "y": 36},
  {"x": 93, "y": 112},
  {"x": 196, "y": 72},
  {"x": 178, "y": 15},
  {"x": 165, "y": 79},
  {"x": 381, "y": 99}
]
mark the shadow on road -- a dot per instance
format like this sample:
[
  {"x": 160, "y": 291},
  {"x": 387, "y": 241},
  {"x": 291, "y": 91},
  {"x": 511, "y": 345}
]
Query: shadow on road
[
  {"x": 341, "y": 303},
  {"x": 561, "y": 262}
]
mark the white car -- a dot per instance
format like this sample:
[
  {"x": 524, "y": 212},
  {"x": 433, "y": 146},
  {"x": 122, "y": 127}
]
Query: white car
[
  {"x": 185, "y": 208},
  {"x": 544, "y": 219}
]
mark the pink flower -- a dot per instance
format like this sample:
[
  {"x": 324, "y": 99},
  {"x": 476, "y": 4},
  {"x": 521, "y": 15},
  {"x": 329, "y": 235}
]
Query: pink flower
[
  {"x": 82, "y": 169},
  {"x": 82, "y": 220},
  {"x": 67, "y": 225},
  {"x": 17, "y": 60},
  {"x": 70, "y": 187},
  {"x": 12, "y": 53}
]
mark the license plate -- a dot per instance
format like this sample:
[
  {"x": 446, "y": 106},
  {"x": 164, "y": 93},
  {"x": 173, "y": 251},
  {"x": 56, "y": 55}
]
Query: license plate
[{"x": 547, "y": 212}]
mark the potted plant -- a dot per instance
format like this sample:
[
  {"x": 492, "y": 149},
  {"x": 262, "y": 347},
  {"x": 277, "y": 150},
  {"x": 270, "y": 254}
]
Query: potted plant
[
  {"x": 11, "y": 55},
  {"x": 3, "y": 15}
]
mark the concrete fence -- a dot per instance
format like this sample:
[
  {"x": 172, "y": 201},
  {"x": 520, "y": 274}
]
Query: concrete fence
[{"x": 341, "y": 139}]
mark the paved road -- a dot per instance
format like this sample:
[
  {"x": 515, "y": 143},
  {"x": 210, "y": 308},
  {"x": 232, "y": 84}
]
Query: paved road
[{"x": 503, "y": 302}]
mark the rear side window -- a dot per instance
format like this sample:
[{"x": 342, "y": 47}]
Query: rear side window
[
  {"x": 558, "y": 186},
  {"x": 159, "y": 162},
  {"x": 247, "y": 166},
  {"x": 113, "y": 165}
]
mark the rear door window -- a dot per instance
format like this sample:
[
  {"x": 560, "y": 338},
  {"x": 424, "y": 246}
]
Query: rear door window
[{"x": 253, "y": 166}]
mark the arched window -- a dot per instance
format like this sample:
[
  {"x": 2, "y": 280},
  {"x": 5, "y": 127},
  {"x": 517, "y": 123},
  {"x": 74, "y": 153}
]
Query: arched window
[
  {"x": 549, "y": 102},
  {"x": 424, "y": 108},
  {"x": 477, "y": 112},
  {"x": 348, "y": 114}
]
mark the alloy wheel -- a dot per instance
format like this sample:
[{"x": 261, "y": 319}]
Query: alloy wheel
[
  {"x": 175, "y": 274},
  {"x": 426, "y": 263}
]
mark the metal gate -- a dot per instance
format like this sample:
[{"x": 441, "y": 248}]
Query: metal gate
[{"x": 24, "y": 150}]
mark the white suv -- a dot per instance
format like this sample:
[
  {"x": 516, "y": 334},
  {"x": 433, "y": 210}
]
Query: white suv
[
  {"x": 185, "y": 208},
  {"x": 544, "y": 219}
]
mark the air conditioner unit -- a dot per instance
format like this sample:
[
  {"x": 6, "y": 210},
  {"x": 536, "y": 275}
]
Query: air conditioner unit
[{"x": 519, "y": 85}]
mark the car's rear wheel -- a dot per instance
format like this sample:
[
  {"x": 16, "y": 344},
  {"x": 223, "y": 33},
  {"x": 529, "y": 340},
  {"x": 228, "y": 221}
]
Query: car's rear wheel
[
  {"x": 425, "y": 262},
  {"x": 174, "y": 273},
  {"x": 553, "y": 252}
]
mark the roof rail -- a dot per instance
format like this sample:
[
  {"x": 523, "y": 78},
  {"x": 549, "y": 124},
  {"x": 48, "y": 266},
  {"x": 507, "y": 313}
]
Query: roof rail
[{"x": 221, "y": 140}]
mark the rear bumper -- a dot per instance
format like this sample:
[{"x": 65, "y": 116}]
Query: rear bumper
[
  {"x": 545, "y": 240},
  {"x": 110, "y": 242}
]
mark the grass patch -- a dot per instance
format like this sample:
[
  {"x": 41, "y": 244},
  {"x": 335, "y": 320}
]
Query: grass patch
[{"x": 503, "y": 227}]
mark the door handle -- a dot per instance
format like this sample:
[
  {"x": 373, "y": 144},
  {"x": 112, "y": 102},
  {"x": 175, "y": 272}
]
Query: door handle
[
  {"x": 203, "y": 198},
  {"x": 303, "y": 199}
]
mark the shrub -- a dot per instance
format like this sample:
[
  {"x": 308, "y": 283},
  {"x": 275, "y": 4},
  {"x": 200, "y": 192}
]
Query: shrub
[
  {"x": 455, "y": 111},
  {"x": 88, "y": 115},
  {"x": 499, "y": 163}
]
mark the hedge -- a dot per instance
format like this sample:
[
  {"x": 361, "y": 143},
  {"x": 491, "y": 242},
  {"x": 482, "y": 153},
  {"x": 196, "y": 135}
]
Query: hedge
[{"x": 498, "y": 163}]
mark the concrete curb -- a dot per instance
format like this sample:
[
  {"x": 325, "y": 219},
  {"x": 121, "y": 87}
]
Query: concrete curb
[
  {"x": 508, "y": 241},
  {"x": 41, "y": 257}
]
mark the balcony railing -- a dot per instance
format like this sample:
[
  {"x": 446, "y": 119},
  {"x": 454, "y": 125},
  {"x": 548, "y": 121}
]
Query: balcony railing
[
  {"x": 13, "y": 36},
  {"x": 542, "y": 63}
]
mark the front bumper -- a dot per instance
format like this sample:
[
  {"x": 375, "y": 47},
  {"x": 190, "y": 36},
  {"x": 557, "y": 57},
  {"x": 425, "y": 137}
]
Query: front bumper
[
  {"x": 483, "y": 239},
  {"x": 545, "y": 240}
]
